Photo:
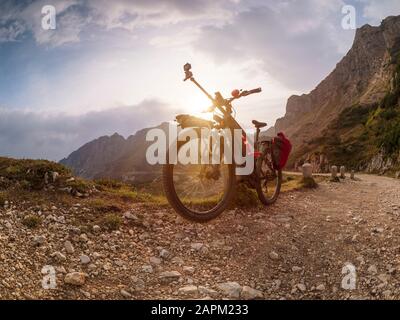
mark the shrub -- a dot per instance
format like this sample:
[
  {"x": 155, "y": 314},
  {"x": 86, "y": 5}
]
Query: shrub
[
  {"x": 79, "y": 185},
  {"x": 245, "y": 197},
  {"x": 389, "y": 114},
  {"x": 390, "y": 139},
  {"x": 31, "y": 221},
  {"x": 111, "y": 222},
  {"x": 2, "y": 198},
  {"x": 352, "y": 116},
  {"x": 309, "y": 183}
]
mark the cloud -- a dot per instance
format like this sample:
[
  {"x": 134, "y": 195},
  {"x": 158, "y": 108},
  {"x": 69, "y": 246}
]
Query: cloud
[
  {"x": 132, "y": 14},
  {"x": 11, "y": 31},
  {"x": 298, "y": 42},
  {"x": 74, "y": 17},
  {"x": 376, "y": 10},
  {"x": 27, "y": 134}
]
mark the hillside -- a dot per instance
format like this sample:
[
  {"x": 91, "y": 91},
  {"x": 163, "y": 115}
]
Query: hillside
[{"x": 352, "y": 117}]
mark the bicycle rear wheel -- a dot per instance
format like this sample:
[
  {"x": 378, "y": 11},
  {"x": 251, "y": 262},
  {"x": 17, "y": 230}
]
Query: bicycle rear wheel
[{"x": 269, "y": 180}]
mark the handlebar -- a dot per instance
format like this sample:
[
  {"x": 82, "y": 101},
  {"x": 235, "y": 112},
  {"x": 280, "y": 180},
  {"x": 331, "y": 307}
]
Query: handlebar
[{"x": 249, "y": 92}]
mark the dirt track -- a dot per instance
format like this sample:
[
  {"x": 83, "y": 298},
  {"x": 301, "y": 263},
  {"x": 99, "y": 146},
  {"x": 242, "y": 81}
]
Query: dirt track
[{"x": 295, "y": 249}]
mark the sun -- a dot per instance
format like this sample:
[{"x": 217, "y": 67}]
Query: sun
[{"x": 197, "y": 105}]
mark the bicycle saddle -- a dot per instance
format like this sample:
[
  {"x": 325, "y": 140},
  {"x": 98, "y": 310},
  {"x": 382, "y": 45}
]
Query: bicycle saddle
[{"x": 258, "y": 124}]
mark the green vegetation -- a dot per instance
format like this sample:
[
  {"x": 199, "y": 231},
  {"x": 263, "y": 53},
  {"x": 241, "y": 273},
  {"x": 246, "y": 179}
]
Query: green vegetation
[
  {"x": 245, "y": 197},
  {"x": 111, "y": 222},
  {"x": 361, "y": 131},
  {"x": 79, "y": 185},
  {"x": 352, "y": 116},
  {"x": 103, "y": 205},
  {"x": 103, "y": 184},
  {"x": 31, "y": 221},
  {"x": 29, "y": 173},
  {"x": 3, "y": 198},
  {"x": 308, "y": 183}
]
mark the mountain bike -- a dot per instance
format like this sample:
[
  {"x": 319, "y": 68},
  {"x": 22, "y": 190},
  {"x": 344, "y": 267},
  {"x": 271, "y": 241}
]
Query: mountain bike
[{"x": 201, "y": 192}]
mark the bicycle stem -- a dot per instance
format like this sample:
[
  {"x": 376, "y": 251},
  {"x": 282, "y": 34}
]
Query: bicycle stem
[{"x": 202, "y": 89}]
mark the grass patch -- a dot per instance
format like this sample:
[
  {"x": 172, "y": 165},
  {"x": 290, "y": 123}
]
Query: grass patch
[
  {"x": 3, "y": 198},
  {"x": 104, "y": 184},
  {"x": 79, "y": 185},
  {"x": 103, "y": 205},
  {"x": 245, "y": 197},
  {"x": 111, "y": 222},
  {"x": 128, "y": 194},
  {"x": 30, "y": 172},
  {"x": 31, "y": 221},
  {"x": 308, "y": 183}
]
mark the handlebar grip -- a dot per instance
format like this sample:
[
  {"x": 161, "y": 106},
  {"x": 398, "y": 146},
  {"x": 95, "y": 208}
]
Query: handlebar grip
[
  {"x": 248, "y": 92},
  {"x": 255, "y": 91}
]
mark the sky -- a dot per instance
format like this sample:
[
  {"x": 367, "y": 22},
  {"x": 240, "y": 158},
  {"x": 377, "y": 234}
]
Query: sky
[{"x": 116, "y": 66}]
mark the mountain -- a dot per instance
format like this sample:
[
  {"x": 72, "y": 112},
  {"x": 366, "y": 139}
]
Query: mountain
[
  {"x": 352, "y": 117},
  {"x": 114, "y": 157}
]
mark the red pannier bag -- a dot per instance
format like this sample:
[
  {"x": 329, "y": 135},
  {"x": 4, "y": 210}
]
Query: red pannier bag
[{"x": 281, "y": 148}]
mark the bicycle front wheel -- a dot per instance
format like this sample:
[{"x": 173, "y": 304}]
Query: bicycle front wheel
[{"x": 199, "y": 192}]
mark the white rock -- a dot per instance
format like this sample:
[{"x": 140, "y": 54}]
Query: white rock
[
  {"x": 128, "y": 215},
  {"x": 125, "y": 293},
  {"x": 231, "y": 289},
  {"x": 207, "y": 291},
  {"x": 177, "y": 260},
  {"x": 197, "y": 246},
  {"x": 75, "y": 278},
  {"x": 187, "y": 269},
  {"x": 249, "y": 293},
  {"x": 296, "y": 269},
  {"x": 38, "y": 240},
  {"x": 155, "y": 261},
  {"x": 84, "y": 259},
  {"x": 83, "y": 237},
  {"x": 273, "y": 255},
  {"x": 170, "y": 276},
  {"x": 55, "y": 176},
  {"x": 301, "y": 287},
  {"x": 188, "y": 290},
  {"x": 372, "y": 269},
  {"x": 59, "y": 256},
  {"x": 147, "y": 268},
  {"x": 164, "y": 253},
  {"x": 320, "y": 287},
  {"x": 69, "y": 248}
]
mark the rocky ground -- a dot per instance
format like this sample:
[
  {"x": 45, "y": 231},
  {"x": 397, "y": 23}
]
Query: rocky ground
[{"x": 295, "y": 249}]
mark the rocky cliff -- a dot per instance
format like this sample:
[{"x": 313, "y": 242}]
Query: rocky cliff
[{"x": 362, "y": 79}]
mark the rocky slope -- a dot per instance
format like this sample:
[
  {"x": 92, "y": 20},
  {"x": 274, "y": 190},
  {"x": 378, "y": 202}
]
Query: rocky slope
[
  {"x": 362, "y": 79},
  {"x": 103, "y": 247}
]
